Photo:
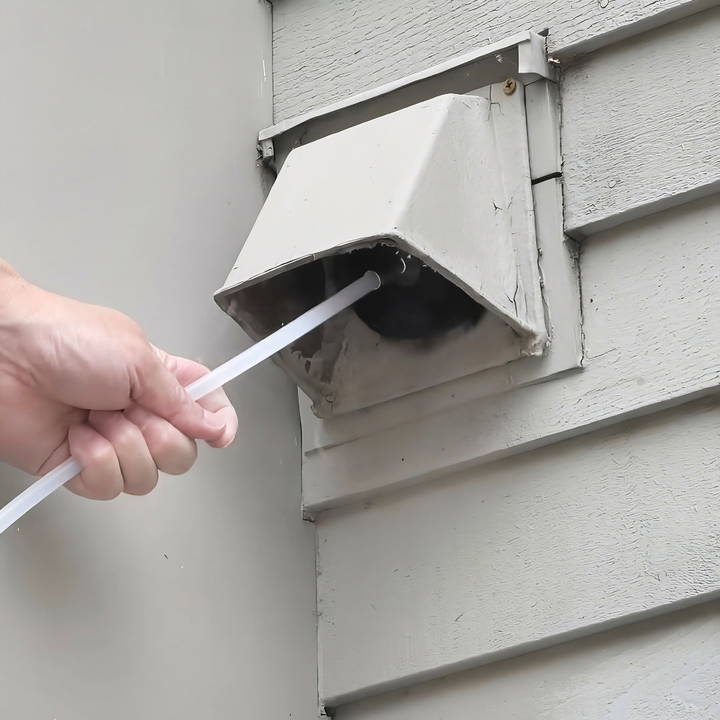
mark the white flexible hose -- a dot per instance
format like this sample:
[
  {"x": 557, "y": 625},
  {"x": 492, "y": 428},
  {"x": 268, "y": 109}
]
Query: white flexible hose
[{"x": 229, "y": 370}]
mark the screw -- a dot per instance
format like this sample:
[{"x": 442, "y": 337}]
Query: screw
[{"x": 509, "y": 86}]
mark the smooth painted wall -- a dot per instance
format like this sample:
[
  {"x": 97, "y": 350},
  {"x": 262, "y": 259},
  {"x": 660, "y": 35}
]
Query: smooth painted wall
[{"x": 128, "y": 178}]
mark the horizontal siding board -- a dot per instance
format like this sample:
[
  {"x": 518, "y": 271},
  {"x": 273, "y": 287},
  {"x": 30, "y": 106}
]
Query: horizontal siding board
[
  {"x": 534, "y": 550},
  {"x": 661, "y": 669},
  {"x": 651, "y": 320},
  {"x": 325, "y": 50},
  {"x": 641, "y": 131},
  {"x": 640, "y": 124}
]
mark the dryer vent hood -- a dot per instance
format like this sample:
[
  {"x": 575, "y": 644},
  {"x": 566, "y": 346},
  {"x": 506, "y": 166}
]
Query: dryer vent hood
[{"x": 443, "y": 184}]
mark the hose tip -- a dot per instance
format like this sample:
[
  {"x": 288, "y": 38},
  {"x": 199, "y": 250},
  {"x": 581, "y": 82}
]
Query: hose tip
[{"x": 377, "y": 281}]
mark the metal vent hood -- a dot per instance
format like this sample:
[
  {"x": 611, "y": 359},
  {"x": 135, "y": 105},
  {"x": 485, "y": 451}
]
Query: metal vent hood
[{"x": 445, "y": 184}]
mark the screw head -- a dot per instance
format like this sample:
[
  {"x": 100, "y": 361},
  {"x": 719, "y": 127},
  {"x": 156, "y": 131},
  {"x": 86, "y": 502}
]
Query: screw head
[{"x": 509, "y": 86}]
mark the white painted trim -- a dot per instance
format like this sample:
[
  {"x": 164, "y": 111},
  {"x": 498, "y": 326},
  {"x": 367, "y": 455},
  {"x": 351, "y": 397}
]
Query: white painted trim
[{"x": 542, "y": 107}]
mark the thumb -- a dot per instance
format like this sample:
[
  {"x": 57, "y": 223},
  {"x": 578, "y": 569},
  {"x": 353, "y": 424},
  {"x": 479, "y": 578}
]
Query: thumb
[{"x": 156, "y": 389}]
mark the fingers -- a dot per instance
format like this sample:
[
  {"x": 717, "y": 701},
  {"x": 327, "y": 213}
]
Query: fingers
[
  {"x": 124, "y": 451},
  {"x": 101, "y": 478},
  {"x": 114, "y": 456},
  {"x": 172, "y": 451},
  {"x": 156, "y": 388},
  {"x": 137, "y": 466},
  {"x": 217, "y": 402},
  {"x": 227, "y": 416}
]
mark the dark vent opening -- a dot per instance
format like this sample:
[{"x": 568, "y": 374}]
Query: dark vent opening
[{"x": 418, "y": 304}]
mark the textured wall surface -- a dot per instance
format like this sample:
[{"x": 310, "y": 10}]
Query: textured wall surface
[
  {"x": 325, "y": 50},
  {"x": 662, "y": 668},
  {"x": 128, "y": 178},
  {"x": 559, "y": 542},
  {"x": 641, "y": 127}
]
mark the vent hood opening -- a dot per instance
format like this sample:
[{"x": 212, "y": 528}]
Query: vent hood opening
[{"x": 419, "y": 304}]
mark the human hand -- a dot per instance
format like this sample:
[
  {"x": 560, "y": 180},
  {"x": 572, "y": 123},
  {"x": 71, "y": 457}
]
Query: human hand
[{"x": 83, "y": 380}]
